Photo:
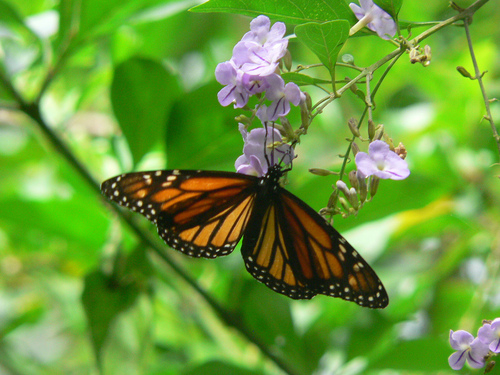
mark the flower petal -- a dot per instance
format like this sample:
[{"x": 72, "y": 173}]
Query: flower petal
[
  {"x": 460, "y": 340},
  {"x": 457, "y": 360}
]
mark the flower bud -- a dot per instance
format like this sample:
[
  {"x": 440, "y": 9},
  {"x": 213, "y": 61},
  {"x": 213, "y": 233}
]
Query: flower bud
[
  {"x": 353, "y": 87},
  {"x": 244, "y": 120},
  {"x": 362, "y": 186},
  {"x": 287, "y": 60},
  {"x": 332, "y": 201},
  {"x": 353, "y": 126},
  {"x": 344, "y": 204},
  {"x": 414, "y": 55},
  {"x": 374, "y": 185},
  {"x": 428, "y": 55},
  {"x": 341, "y": 185},
  {"x": 401, "y": 151},
  {"x": 308, "y": 101},
  {"x": 353, "y": 180},
  {"x": 353, "y": 198},
  {"x": 287, "y": 129},
  {"x": 489, "y": 367},
  {"x": 464, "y": 72},
  {"x": 320, "y": 172},
  {"x": 379, "y": 133},
  {"x": 371, "y": 129},
  {"x": 354, "y": 148}
]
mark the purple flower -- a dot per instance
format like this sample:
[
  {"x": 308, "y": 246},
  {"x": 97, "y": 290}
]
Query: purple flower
[
  {"x": 255, "y": 59},
  {"x": 262, "y": 33},
  {"x": 374, "y": 17},
  {"x": 467, "y": 348},
  {"x": 281, "y": 96},
  {"x": 490, "y": 335},
  {"x": 235, "y": 91},
  {"x": 253, "y": 161},
  {"x": 382, "y": 162}
]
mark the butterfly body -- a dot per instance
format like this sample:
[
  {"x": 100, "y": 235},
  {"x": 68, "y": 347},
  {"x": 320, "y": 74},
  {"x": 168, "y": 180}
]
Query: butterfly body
[{"x": 286, "y": 244}]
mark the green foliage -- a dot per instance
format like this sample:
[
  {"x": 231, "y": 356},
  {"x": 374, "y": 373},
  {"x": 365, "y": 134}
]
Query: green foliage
[
  {"x": 325, "y": 40},
  {"x": 129, "y": 85},
  {"x": 142, "y": 93},
  {"x": 105, "y": 297},
  {"x": 390, "y": 6},
  {"x": 294, "y": 12}
]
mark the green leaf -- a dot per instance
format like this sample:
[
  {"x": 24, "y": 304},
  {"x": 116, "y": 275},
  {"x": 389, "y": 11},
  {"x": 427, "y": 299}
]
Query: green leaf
[
  {"x": 325, "y": 40},
  {"x": 295, "y": 12},
  {"x": 105, "y": 297},
  {"x": 302, "y": 79},
  {"x": 142, "y": 93},
  {"x": 217, "y": 368},
  {"x": 390, "y": 6},
  {"x": 201, "y": 133}
]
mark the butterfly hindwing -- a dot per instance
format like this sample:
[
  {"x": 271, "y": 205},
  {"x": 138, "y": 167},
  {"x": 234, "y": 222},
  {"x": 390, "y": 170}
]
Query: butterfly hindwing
[
  {"x": 294, "y": 251},
  {"x": 200, "y": 213}
]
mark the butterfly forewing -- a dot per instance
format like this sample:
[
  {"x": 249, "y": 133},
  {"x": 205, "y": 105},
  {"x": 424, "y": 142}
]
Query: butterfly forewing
[{"x": 201, "y": 213}]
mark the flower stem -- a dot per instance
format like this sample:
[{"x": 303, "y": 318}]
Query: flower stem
[{"x": 479, "y": 78}]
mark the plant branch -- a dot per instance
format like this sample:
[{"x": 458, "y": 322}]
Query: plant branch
[{"x": 479, "y": 78}]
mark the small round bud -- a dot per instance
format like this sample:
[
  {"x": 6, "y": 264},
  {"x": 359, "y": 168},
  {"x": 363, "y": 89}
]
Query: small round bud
[{"x": 348, "y": 59}]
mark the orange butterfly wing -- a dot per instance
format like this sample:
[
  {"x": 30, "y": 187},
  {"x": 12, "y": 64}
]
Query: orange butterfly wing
[
  {"x": 296, "y": 252},
  {"x": 200, "y": 213}
]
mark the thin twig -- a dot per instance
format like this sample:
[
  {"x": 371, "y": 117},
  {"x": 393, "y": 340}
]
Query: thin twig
[{"x": 479, "y": 78}]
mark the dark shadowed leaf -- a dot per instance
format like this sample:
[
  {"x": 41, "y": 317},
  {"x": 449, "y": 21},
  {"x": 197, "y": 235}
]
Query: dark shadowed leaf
[
  {"x": 142, "y": 92},
  {"x": 105, "y": 297},
  {"x": 217, "y": 368}
]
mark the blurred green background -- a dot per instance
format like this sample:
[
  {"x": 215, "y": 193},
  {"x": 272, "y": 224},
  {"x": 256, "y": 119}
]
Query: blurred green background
[{"x": 129, "y": 85}]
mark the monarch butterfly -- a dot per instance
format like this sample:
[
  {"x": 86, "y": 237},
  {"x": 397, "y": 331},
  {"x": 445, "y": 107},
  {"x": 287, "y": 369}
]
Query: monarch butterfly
[{"x": 286, "y": 244}]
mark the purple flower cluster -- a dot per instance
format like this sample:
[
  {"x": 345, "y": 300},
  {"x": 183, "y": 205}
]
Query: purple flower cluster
[
  {"x": 253, "y": 70},
  {"x": 474, "y": 350}
]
